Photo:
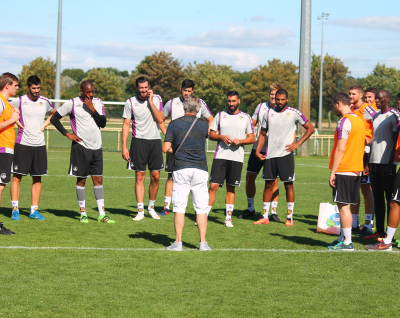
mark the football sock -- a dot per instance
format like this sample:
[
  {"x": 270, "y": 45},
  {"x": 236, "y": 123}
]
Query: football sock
[
  {"x": 229, "y": 211},
  {"x": 266, "y": 209},
  {"x": 355, "y": 220},
  {"x": 167, "y": 202},
  {"x": 389, "y": 235},
  {"x": 250, "y": 204},
  {"x": 274, "y": 206},
  {"x": 209, "y": 210},
  {"x": 99, "y": 194},
  {"x": 14, "y": 204},
  {"x": 100, "y": 207},
  {"x": 80, "y": 193},
  {"x": 82, "y": 207},
  {"x": 346, "y": 235},
  {"x": 151, "y": 205},
  {"x": 140, "y": 208},
  {"x": 290, "y": 207},
  {"x": 34, "y": 208},
  {"x": 368, "y": 219}
]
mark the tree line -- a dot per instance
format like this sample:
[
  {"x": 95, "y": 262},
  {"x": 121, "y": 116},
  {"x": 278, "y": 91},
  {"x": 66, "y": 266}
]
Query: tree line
[{"x": 213, "y": 81}]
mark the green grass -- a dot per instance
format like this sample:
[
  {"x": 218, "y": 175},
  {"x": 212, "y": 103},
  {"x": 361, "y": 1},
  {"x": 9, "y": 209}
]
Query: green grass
[{"x": 132, "y": 275}]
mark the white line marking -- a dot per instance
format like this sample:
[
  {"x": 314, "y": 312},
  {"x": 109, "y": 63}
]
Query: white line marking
[{"x": 184, "y": 250}]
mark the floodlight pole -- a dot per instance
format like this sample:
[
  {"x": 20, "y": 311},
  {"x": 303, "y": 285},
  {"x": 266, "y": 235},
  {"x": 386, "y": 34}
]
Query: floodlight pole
[
  {"x": 305, "y": 71},
  {"x": 322, "y": 17},
  {"x": 57, "y": 94}
]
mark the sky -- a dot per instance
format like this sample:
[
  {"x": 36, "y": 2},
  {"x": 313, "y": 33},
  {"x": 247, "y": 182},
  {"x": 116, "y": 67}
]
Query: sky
[{"x": 243, "y": 34}]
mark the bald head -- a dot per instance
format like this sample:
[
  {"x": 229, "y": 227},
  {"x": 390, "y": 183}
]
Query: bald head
[
  {"x": 85, "y": 84},
  {"x": 382, "y": 99},
  {"x": 87, "y": 90}
]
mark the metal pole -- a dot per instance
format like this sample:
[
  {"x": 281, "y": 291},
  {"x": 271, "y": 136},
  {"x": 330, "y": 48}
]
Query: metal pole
[
  {"x": 57, "y": 94},
  {"x": 305, "y": 71},
  {"x": 321, "y": 76}
]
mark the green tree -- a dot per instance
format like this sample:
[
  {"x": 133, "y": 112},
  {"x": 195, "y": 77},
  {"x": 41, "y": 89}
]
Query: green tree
[
  {"x": 76, "y": 74},
  {"x": 164, "y": 72},
  {"x": 213, "y": 82},
  {"x": 257, "y": 89},
  {"x": 45, "y": 69},
  {"x": 107, "y": 85}
]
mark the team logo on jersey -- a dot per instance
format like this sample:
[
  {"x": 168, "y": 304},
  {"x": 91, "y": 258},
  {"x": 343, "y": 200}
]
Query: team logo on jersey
[
  {"x": 240, "y": 117},
  {"x": 75, "y": 168},
  {"x": 25, "y": 102},
  {"x": 41, "y": 104},
  {"x": 386, "y": 116},
  {"x": 224, "y": 116},
  {"x": 3, "y": 176},
  {"x": 288, "y": 114},
  {"x": 15, "y": 168}
]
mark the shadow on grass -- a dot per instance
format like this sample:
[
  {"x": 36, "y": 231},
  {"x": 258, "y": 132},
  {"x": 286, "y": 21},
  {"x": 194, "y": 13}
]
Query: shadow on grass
[
  {"x": 66, "y": 213},
  {"x": 211, "y": 218},
  {"x": 160, "y": 239},
  {"x": 130, "y": 211},
  {"x": 308, "y": 219},
  {"x": 301, "y": 240}
]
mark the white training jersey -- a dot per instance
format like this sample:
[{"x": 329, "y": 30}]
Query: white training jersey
[
  {"x": 384, "y": 125},
  {"x": 144, "y": 125},
  {"x": 281, "y": 127},
  {"x": 82, "y": 122},
  {"x": 31, "y": 116},
  {"x": 258, "y": 115},
  {"x": 174, "y": 109},
  {"x": 235, "y": 126}
]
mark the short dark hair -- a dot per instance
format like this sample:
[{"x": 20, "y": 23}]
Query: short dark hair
[
  {"x": 341, "y": 97},
  {"x": 141, "y": 79},
  {"x": 33, "y": 80},
  {"x": 187, "y": 83},
  {"x": 371, "y": 90},
  {"x": 398, "y": 95},
  {"x": 86, "y": 83},
  {"x": 7, "y": 78},
  {"x": 282, "y": 91},
  {"x": 233, "y": 93},
  {"x": 356, "y": 87}
]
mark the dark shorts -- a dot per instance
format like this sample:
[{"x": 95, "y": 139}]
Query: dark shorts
[
  {"x": 228, "y": 170},
  {"x": 347, "y": 189},
  {"x": 396, "y": 188},
  {"x": 168, "y": 162},
  {"x": 280, "y": 166},
  {"x": 144, "y": 153},
  {"x": 254, "y": 165},
  {"x": 30, "y": 160},
  {"x": 85, "y": 162},
  {"x": 6, "y": 160}
]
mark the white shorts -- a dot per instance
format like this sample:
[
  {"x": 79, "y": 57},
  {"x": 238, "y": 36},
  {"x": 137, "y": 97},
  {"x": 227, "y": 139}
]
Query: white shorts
[{"x": 186, "y": 181}]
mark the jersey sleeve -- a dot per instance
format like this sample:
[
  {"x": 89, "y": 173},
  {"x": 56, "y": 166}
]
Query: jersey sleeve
[
  {"x": 65, "y": 109},
  {"x": 167, "y": 109},
  {"x": 99, "y": 106},
  {"x": 396, "y": 121},
  {"x": 256, "y": 111},
  {"x": 127, "y": 110},
  {"x": 158, "y": 102},
  {"x": 249, "y": 126},
  {"x": 215, "y": 123},
  {"x": 14, "y": 103},
  {"x": 369, "y": 113},
  {"x": 50, "y": 106},
  {"x": 264, "y": 122},
  {"x": 2, "y": 106},
  {"x": 205, "y": 111},
  {"x": 300, "y": 118},
  {"x": 169, "y": 135},
  {"x": 343, "y": 128}
]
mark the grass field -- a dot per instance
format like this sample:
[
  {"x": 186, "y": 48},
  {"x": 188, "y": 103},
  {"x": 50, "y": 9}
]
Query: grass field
[{"x": 62, "y": 268}]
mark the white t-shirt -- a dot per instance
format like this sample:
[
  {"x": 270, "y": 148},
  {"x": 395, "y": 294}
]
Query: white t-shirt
[
  {"x": 31, "y": 116},
  {"x": 174, "y": 109},
  {"x": 258, "y": 115},
  {"x": 82, "y": 122},
  {"x": 235, "y": 126},
  {"x": 144, "y": 125}
]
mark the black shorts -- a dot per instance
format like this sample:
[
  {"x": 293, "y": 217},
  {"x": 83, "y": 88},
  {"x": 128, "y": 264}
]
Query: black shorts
[
  {"x": 30, "y": 160},
  {"x": 168, "y": 162},
  {"x": 347, "y": 189},
  {"x": 396, "y": 188},
  {"x": 144, "y": 153},
  {"x": 280, "y": 166},
  {"x": 6, "y": 160},
  {"x": 85, "y": 162},
  {"x": 228, "y": 170},
  {"x": 254, "y": 165},
  {"x": 365, "y": 179}
]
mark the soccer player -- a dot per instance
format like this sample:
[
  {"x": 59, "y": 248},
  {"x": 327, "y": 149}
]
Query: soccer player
[
  {"x": 254, "y": 165},
  {"x": 235, "y": 129},
  {"x": 346, "y": 167},
  {"x": 30, "y": 155},
  {"x": 358, "y": 107},
  {"x": 145, "y": 112},
  {"x": 8, "y": 116},
  {"x": 280, "y": 123},
  {"x": 382, "y": 167},
  {"x": 174, "y": 109},
  {"x": 87, "y": 116}
]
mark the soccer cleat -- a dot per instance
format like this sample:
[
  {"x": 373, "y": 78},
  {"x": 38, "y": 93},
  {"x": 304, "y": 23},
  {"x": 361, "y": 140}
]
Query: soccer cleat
[
  {"x": 262, "y": 221},
  {"x": 274, "y": 218},
  {"x": 164, "y": 212},
  {"x": 374, "y": 236},
  {"x": 342, "y": 247},
  {"x": 138, "y": 217},
  {"x": 289, "y": 222},
  {"x": 84, "y": 219},
  {"x": 247, "y": 214},
  {"x": 380, "y": 246},
  {"x": 15, "y": 215},
  {"x": 175, "y": 247},
  {"x": 203, "y": 246},
  {"x": 335, "y": 242},
  {"x": 4, "y": 231},
  {"x": 228, "y": 223},
  {"x": 365, "y": 231},
  {"x": 153, "y": 214},
  {"x": 397, "y": 243},
  {"x": 36, "y": 215},
  {"x": 105, "y": 219}
]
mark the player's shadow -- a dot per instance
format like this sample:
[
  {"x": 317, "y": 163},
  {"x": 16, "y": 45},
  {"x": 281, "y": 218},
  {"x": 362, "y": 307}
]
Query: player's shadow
[
  {"x": 64, "y": 213},
  {"x": 301, "y": 240},
  {"x": 211, "y": 218},
  {"x": 308, "y": 219},
  {"x": 130, "y": 211},
  {"x": 156, "y": 238}
]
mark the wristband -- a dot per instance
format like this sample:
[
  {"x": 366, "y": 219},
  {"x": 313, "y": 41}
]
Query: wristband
[{"x": 367, "y": 148}]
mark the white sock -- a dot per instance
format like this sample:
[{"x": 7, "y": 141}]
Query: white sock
[
  {"x": 346, "y": 235},
  {"x": 229, "y": 211},
  {"x": 140, "y": 208},
  {"x": 368, "y": 219},
  {"x": 274, "y": 206},
  {"x": 290, "y": 207},
  {"x": 82, "y": 207},
  {"x": 389, "y": 235},
  {"x": 355, "y": 220},
  {"x": 266, "y": 209},
  {"x": 209, "y": 210},
  {"x": 14, "y": 204},
  {"x": 167, "y": 202},
  {"x": 34, "y": 208},
  {"x": 100, "y": 207},
  {"x": 250, "y": 204},
  {"x": 151, "y": 205}
]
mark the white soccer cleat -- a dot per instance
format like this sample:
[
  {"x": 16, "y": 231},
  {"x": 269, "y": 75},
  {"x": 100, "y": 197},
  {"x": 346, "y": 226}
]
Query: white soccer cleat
[
  {"x": 228, "y": 223},
  {"x": 153, "y": 214},
  {"x": 138, "y": 217}
]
